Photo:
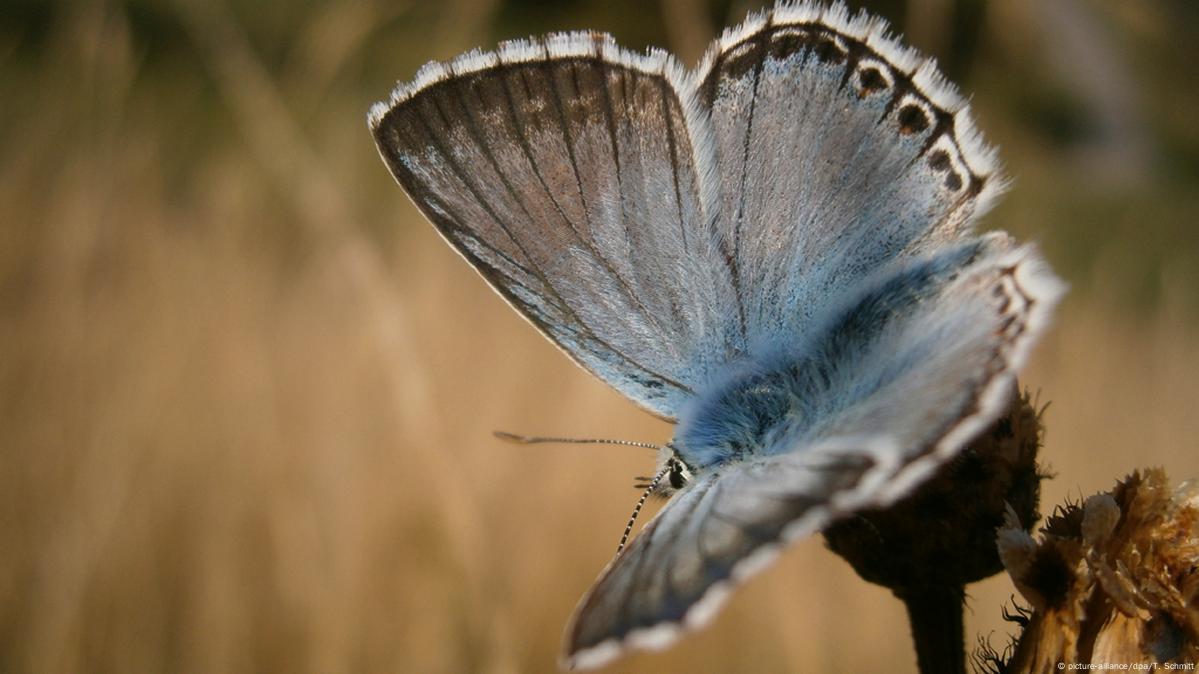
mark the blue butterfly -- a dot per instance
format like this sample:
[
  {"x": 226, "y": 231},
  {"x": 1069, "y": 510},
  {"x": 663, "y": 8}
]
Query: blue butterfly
[{"x": 774, "y": 250}]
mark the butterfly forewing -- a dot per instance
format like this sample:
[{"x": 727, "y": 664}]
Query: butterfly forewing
[
  {"x": 566, "y": 173},
  {"x": 838, "y": 151}
]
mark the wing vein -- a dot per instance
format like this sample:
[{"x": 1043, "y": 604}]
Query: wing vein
[
  {"x": 674, "y": 168},
  {"x": 610, "y": 119},
  {"x": 473, "y": 128},
  {"x": 583, "y": 240}
]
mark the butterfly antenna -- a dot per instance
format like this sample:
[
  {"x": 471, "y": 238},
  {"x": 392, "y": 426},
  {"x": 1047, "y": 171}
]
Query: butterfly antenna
[
  {"x": 536, "y": 439},
  {"x": 637, "y": 509}
]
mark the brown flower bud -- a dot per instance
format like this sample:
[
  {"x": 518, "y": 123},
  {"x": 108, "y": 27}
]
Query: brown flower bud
[{"x": 944, "y": 533}]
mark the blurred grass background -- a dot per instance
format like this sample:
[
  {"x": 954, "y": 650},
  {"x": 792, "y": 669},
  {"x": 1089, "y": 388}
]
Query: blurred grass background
[{"x": 246, "y": 394}]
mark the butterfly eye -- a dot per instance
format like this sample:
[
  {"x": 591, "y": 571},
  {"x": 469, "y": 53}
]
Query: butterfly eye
[{"x": 679, "y": 475}]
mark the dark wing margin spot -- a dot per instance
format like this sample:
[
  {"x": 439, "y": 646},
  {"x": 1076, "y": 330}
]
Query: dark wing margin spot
[
  {"x": 953, "y": 181},
  {"x": 912, "y": 119},
  {"x": 939, "y": 160},
  {"x": 828, "y": 51},
  {"x": 871, "y": 80}
]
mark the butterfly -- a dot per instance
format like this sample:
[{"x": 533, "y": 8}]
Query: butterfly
[{"x": 775, "y": 251}]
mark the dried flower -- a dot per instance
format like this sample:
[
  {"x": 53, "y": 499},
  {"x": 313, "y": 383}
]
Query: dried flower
[{"x": 1112, "y": 581}]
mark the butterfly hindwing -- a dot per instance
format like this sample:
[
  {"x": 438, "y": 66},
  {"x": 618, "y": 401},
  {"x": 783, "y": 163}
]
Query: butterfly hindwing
[{"x": 677, "y": 571}]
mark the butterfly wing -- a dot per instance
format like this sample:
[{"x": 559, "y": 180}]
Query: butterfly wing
[
  {"x": 575, "y": 178},
  {"x": 722, "y": 528},
  {"x": 838, "y": 150},
  {"x": 908, "y": 372}
]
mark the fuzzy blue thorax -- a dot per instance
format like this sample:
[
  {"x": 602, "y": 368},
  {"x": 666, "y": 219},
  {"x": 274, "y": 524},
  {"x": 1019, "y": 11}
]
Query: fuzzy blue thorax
[{"x": 769, "y": 404}]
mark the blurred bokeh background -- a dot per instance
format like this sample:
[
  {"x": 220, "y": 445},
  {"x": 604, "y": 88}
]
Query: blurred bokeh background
[{"x": 246, "y": 393}]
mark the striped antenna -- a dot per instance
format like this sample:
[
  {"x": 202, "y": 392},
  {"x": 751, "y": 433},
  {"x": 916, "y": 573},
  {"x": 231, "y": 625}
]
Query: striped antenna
[
  {"x": 637, "y": 510},
  {"x": 535, "y": 439}
]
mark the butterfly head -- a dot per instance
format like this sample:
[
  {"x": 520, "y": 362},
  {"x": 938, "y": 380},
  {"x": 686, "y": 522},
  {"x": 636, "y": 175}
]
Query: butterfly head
[
  {"x": 672, "y": 475},
  {"x": 676, "y": 473}
]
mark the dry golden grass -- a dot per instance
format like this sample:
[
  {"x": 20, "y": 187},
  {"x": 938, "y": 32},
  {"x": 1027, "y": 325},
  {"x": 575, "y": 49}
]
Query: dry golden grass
[{"x": 246, "y": 396}]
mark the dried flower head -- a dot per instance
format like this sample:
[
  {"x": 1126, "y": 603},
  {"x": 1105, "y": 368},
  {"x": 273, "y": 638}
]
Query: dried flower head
[{"x": 1112, "y": 580}]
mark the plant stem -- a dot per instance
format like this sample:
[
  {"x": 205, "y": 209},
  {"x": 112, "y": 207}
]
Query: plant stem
[{"x": 935, "y": 615}]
